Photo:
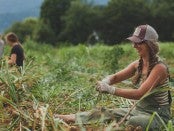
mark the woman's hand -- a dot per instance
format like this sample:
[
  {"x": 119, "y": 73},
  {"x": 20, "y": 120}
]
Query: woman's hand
[
  {"x": 107, "y": 80},
  {"x": 105, "y": 88}
]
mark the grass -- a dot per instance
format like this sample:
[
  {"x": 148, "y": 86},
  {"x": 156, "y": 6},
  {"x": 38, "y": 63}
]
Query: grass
[{"x": 62, "y": 80}]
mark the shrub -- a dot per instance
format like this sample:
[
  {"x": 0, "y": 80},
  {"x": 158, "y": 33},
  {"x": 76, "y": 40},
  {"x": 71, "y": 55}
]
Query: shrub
[{"x": 111, "y": 58}]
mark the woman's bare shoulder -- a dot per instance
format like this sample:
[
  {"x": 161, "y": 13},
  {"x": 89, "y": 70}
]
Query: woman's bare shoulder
[{"x": 160, "y": 67}]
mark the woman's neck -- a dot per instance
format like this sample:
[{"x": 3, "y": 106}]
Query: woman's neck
[
  {"x": 145, "y": 61},
  {"x": 15, "y": 43},
  {"x": 145, "y": 65}
]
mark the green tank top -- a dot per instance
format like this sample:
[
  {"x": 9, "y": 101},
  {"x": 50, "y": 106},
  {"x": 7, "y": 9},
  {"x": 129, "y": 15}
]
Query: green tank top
[{"x": 158, "y": 98}]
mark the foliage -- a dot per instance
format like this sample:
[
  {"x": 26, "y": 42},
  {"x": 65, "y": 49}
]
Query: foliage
[
  {"x": 61, "y": 80},
  {"x": 167, "y": 53},
  {"x": 43, "y": 33},
  {"x": 111, "y": 59},
  {"x": 24, "y": 29},
  {"x": 16, "y": 98},
  {"x": 75, "y": 21},
  {"x": 51, "y": 13},
  {"x": 163, "y": 12},
  {"x": 120, "y": 18},
  {"x": 80, "y": 21}
]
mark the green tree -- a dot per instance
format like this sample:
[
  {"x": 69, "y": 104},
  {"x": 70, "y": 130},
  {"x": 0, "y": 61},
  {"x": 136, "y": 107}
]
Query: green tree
[
  {"x": 121, "y": 16},
  {"x": 43, "y": 33},
  {"x": 80, "y": 20},
  {"x": 24, "y": 29},
  {"x": 163, "y": 14},
  {"x": 52, "y": 11}
]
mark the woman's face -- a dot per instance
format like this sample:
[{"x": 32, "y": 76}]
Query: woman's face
[
  {"x": 8, "y": 42},
  {"x": 141, "y": 48}
]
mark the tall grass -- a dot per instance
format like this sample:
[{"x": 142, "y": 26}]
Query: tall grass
[{"x": 62, "y": 80}]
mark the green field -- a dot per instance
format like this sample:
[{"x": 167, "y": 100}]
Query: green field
[{"x": 61, "y": 80}]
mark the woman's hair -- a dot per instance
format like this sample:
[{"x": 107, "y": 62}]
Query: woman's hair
[
  {"x": 12, "y": 37},
  {"x": 153, "y": 60}
]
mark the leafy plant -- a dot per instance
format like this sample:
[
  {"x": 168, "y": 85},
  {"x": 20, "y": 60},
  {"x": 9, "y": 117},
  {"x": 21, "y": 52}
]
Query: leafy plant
[
  {"x": 112, "y": 57},
  {"x": 62, "y": 80}
]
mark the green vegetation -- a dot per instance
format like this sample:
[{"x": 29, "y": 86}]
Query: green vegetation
[
  {"x": 74, "y": 21},
  {"x": 62, "y": 80}
]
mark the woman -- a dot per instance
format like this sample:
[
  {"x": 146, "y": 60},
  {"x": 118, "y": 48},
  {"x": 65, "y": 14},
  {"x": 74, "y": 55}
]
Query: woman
[
  {"x": 151, "y": 79},
  {"x": 17, "y": 52}
]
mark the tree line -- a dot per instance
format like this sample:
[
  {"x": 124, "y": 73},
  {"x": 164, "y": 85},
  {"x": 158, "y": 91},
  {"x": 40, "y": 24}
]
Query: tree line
[{"x": 77, "y": 21}]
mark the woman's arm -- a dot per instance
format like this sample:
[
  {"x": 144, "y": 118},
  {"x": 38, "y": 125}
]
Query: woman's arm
[
  {"x": 124, "y": 74},
  {"x": 158, "y": 75},
  {"x": 12, "y": 59}
]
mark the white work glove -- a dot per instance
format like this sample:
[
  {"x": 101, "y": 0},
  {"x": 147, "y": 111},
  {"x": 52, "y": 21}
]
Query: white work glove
[
  {"x": 105, "y": 88},
  {"x": 107, "y": 80}
]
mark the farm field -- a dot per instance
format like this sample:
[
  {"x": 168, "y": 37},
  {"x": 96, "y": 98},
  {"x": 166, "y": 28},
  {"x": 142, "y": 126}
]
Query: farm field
[{"x": 61, "y": 80}]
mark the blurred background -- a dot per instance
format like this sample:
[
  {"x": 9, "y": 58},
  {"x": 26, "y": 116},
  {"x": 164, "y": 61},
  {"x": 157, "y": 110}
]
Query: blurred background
[{"x": 85, "y": 21}]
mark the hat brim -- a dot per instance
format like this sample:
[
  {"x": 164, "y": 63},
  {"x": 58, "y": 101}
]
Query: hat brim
[{"x": 134, "y": 39}]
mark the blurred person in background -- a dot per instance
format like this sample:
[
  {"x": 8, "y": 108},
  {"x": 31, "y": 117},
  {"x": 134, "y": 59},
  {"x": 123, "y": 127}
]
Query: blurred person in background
[
  {"x": 1, "y": 46},
  {"x": 17, "y": 52},
  {"x": 151, "y": 93}
]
